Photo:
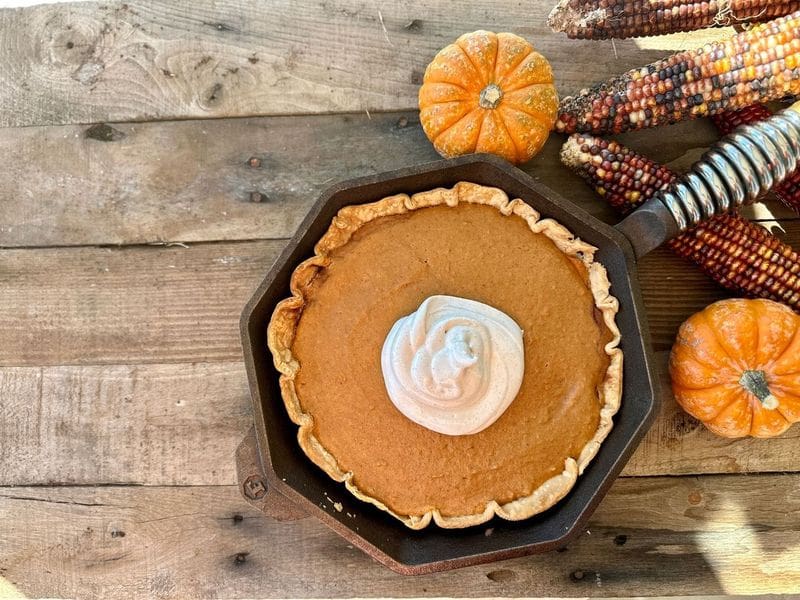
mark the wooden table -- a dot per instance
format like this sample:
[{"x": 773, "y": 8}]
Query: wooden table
[{"x": 133, "y": 227}]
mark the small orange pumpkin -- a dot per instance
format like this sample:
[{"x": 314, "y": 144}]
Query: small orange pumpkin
[
  {"x": 488, "y": 92},
  {"x": 735, "y": 366}
]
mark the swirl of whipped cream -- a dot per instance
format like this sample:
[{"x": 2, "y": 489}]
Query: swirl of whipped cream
[{"x": 454, "y": 365}]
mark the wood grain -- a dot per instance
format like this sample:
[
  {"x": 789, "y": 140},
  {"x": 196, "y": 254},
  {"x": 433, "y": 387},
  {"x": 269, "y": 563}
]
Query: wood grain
[
  {"x": 173, "y": 424},
  {"x": 88, "y": 62},
  {"x": 143, "y": 304},
  {"x": 188, "y": 181},
  {"x": 657, "y": 536},
  {"x": 156, "y": 304}
]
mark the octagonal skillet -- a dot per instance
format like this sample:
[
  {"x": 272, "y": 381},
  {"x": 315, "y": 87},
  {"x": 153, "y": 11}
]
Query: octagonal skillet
[{"x": 277, "y": 477}]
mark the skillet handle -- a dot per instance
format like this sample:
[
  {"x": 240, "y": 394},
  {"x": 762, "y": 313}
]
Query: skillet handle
[
  {"x": 737, "y": 170},
  {"x": 254, "y": 487}
]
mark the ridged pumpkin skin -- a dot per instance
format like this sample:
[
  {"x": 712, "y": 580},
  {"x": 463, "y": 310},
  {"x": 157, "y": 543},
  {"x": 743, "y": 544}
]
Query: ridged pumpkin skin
[
  {"x": 735, "y": 366},
  {"x": 488, "y": 92}
]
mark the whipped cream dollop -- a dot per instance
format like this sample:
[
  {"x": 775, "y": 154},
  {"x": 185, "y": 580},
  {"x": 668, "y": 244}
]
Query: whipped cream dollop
[{"x": 454, "y": 365}]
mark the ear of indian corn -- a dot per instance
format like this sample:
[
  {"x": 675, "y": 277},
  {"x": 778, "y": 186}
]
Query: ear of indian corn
[
  {"x": 621, "y": 177},
  {"x": 788, "y": 191},
  {"x": 620, "y": 19},
  {"x": 760, "y": 64},
  {"x": 743, "y": 257},
  {"x": 739, "y": 255}
]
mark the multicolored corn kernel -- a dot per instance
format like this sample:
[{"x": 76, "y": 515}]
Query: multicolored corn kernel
[
  {"x": 620, "y": 19},
  {"x": 788, "y": 191},
  {"x": 729, "y": 120},
  {"x": 739, "y": 255},
  {"x": 760, "y": 64}
]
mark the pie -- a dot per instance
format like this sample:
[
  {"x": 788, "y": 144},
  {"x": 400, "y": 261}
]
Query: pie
[{"x": 376, "y": 264}]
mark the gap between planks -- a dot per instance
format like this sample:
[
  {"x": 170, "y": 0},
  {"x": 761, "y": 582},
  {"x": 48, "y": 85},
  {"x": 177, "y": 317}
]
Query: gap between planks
[{"x": 143, "y": 245}]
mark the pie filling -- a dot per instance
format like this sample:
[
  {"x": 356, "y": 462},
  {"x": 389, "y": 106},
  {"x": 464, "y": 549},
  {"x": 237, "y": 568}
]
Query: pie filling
[{"x": 380, "y": 275}]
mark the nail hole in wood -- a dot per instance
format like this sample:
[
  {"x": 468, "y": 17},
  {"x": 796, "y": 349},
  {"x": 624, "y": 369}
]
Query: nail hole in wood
[
  {"x": 258, "y": 197},
  {"x": 103, "y": 133},
  {"x": 501, "y": 575}
]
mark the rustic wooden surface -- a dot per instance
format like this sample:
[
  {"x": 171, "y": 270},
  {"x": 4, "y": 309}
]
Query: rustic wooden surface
[
  {"x": 682, "y": 535},
  {"x": 127, "y": 250},
  {"x": 136, "y": 61}
]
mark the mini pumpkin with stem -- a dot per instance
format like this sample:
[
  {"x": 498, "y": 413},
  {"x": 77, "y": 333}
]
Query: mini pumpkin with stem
[
  {"x": 488, "y": 92},
  {"x": 735, "y": 366}
]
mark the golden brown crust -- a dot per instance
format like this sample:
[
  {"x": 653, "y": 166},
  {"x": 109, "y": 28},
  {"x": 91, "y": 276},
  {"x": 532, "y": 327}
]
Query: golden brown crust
[{"x": 283, "y": 326}]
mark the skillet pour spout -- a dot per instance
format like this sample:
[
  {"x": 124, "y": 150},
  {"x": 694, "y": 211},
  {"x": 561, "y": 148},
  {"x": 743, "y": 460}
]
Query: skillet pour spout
[{"x": 737, "y": 170}]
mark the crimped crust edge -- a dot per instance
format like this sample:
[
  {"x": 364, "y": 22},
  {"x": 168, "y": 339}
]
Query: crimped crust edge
[{"x": 286, "y": 316}]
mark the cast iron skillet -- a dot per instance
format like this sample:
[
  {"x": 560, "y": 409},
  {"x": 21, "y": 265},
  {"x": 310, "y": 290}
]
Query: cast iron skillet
[{"x": 280, "y": 480}]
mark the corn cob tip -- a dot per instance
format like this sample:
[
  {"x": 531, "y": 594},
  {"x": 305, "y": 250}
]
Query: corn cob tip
[
  {"x": 743, "y": 257},
  {"x": 564, "y": 18},
  {"x": 572, "y": 154},
  {"x": 621, "y": 177},
  {"x": 621, "y": 19}
]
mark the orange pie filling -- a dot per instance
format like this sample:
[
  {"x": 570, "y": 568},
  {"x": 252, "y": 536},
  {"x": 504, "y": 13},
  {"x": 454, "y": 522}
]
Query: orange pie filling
[{"x": 377, "y": 264}]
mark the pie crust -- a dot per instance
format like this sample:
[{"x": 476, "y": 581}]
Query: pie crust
[{"x": 286, "y": 317}]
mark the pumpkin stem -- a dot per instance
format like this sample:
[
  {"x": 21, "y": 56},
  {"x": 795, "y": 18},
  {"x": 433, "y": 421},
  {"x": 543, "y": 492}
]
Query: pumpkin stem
[
  {"x": 490, "y": 96},
  {"x": 755, "y": 382}
]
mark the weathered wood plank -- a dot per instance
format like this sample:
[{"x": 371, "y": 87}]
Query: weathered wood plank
[
  {"x": 193, "y": 181},
  {"x": 655, "y": 536},
  {"x": 142, "y": 304},
  {"x": 155, "y": 304},
  {"x": 116, "y": 424},
  {"x": 89, "y": 62},
  {"x": 188, "y": 180},
  {"x": 174, "y": 424}
]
